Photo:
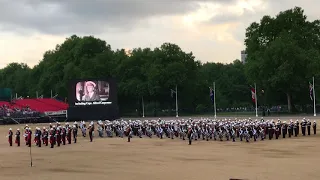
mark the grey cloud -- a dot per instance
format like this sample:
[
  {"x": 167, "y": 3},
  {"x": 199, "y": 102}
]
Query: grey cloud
[
  {"x": 226, "y": 17},
  {"x": 273, "y": 8},
  {"x": 87, "y": 16}
]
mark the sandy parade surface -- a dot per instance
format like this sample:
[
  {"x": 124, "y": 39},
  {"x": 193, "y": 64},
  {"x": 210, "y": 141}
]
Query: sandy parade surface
[{"x": 115, "y": 158}]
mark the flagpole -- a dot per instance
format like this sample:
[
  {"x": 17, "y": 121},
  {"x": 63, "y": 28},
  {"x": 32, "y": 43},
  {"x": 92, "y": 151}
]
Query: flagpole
[
  {"x": 314, "y": 98},
  {"x": 255, "y": 98},
  {"x": 177, "y": 113},
  {"x": 214, "y": 100},
  {"x": 51, "y": 93},
  {"x": 142, "y": 107}
]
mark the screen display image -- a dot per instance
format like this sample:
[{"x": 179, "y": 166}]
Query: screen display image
[
  {"x": 93, "y": 99},
  {"x": 92, "y": 93}
]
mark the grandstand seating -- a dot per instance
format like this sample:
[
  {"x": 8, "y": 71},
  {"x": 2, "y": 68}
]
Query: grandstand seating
[
  {"x": 55, "y": 103},
  {"x": 42, "y": 105},
  {"x": 4, "y": 103},
  {"x": 10, "y": 105}
]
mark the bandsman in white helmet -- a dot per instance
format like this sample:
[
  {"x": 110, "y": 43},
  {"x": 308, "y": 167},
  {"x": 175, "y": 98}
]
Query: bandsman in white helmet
[
  {"x": 303, "y": 127},
  {"x": 308, "y": 126},
  {"x": 314, "y": 126},
  {"x": 91, "y": 132},
  {"x": 17, "y": 141},
  {"x": 10, "y": 134}
]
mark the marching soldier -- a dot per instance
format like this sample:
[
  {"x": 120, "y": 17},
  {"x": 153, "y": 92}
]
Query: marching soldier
[
  {"x": 39, "y": 135},
  {"x": 45, "y": 136},
  {"x": 296, "y": 128},
  {"x": 277, "y": 133},
  {"x": 69, "y": 134},
  {"x": 271, "y": 131},
  {"x": 54, "y": 136},
  {"x": 58, "y": 136},
  {"x": 279, "y": 126},
  {"x": 189, "y": 134},
  {"x": 290, "y": 129},
  {"x": 129, "y": 132},
  {"x": 284, "y": 129},
  {"x": 297, "y": 123},
  {"x": 35, "y": 136},
  {"x": 29, "y": 136},
  {"x": 308, "y": 126},
  {"x": 303, "y": 127},
  {"x": 51, "y": 137},
  {"x": 10, "y": 134},
  {"x": 75, "y": 133},
  {"x": 17, "y": 141},
  {"x": 26, "y": 129},
  {"x": 91, "y": 129},
  {"x": 63, "y": 135},
  {"x": 314, "y": 126}
]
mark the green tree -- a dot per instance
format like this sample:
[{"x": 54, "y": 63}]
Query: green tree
[
  {"x": 16, "y": 76},
  {"x": 283, "y": 52}
]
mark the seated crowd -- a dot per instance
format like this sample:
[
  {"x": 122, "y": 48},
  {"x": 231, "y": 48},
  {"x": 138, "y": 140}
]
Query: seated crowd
[{"x": 14, "y": 112}]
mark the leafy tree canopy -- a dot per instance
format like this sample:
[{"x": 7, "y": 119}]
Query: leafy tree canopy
[{"x": 283, "y": 55}]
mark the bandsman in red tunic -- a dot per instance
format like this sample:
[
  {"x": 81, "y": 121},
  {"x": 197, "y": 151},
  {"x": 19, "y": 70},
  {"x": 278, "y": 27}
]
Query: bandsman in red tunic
[
  {"x": 58, "y": 136},
  {"x": 63, "y": 135},
  {"x": 10, "y": 134},
  {"x": 75, "y": 133},
  {"x": 54, "y": 132},
  {"x": 277, "y": 130},
  {"x": 129, "y": 133},
  {"x": 52, "y": 137},
  {"x": 91, "y": 132},
  {"x": 17, "y": 141},
  {"x": 189, "y": 134},
  {"x": 39, "y": 136},
  {"x": 45, "y": 136},
  {"x": 69, "y": 134},
  {"x": 29, "y": 136},
  {"x": 26, "y": 129},
  {"x": 36, "y": 134}
]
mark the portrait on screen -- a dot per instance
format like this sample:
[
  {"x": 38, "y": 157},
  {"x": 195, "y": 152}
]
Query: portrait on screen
[{"x": 89, "y": 91}]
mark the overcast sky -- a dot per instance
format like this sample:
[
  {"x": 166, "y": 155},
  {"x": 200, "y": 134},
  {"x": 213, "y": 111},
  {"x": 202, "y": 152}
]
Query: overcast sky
[{"x": 212, "y": 29}]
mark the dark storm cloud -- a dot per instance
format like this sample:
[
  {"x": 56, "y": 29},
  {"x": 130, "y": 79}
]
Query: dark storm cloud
[{"x": 87, "y": 16}]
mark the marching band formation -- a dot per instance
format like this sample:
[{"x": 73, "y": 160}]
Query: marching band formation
[
  {"x": 191, "y": 129},
  {"x": 54, "y": 135}
]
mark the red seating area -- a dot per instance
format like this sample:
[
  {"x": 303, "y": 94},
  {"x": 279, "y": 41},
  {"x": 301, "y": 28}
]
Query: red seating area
[
  {"x": 42, "y": 105},
  {"x": 55, "y": 103},
  {"x": 10, "y": 105},
  {"x": 15, "y": 110}
]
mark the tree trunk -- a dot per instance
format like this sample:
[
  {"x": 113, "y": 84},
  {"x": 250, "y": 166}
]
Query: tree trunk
[{"x": 289, "y": 103}]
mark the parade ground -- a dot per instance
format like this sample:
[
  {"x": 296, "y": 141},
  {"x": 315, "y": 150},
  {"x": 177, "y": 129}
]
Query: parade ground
[{"x": 156, "y": 159}]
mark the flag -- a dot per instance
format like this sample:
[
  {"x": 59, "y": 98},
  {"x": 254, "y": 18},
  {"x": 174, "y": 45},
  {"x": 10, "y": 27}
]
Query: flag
[
  {"x": 311, "y": 91},
  {"x": 172, "y": 91},
  {"x": 253, "y": 94},
  {"x": 212, "y": 95}
]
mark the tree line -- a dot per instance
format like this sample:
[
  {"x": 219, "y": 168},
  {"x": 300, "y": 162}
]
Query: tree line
[{"x": 283, "y": 56}]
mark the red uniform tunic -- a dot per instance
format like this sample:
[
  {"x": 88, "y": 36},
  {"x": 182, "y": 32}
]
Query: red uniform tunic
[
  {"x": 26, "y": 136},
  {"x": 17, "y": 141},
  {"x": 69, "y": 135},
  {"x": 29, "y": 136},
  {"x": 45, "y": 137},
  {"x": 58, "y": 136},
  {"x": 10, "y": 134}
]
